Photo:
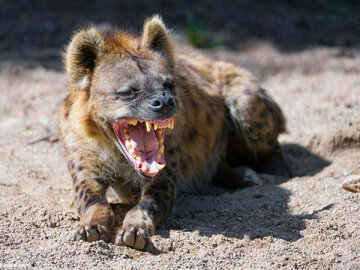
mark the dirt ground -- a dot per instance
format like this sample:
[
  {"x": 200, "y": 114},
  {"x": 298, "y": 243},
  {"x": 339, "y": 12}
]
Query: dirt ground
[{"x": 306, "y": 222}]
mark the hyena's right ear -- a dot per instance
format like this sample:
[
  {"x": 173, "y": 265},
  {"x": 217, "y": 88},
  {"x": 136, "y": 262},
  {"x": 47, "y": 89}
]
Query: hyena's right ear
[
  {"x": 156, "y": 37},
  {"x": 81, "y": 55}
]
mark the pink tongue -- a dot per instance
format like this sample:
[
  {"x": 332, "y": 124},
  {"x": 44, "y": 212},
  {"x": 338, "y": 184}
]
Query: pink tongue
[{"x": 142, "y": 141}]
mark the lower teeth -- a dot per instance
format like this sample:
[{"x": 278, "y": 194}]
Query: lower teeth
[{"x": 143, "y": 167}]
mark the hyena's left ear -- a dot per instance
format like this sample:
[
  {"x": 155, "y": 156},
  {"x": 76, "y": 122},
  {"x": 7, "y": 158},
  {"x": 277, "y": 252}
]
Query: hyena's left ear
[
  {"x": 156, "y": 38},
  {"x": 81, "y": 55}
]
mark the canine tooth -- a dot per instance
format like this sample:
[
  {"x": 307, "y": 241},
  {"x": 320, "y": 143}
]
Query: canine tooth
[
  {"x": 128, "y": 144},
  {"x": 144, "y": 169},
  {"x": 156, "y": 126},
  {"x": 171, "y": 124},
  {"x": 132, "y": 152},
  {"x": 158, "y": 155},
  {"x": 148, "y": 126},
  {"x": 126, "y": 133},
  {"x": 159, "y": 137},
  {"x": 161, "y": 149},
  {"x": 160, "y": 166}
]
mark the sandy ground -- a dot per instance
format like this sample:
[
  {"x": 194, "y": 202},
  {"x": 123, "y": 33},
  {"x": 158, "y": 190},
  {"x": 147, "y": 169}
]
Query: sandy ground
[{"x": 307, "y": 222}]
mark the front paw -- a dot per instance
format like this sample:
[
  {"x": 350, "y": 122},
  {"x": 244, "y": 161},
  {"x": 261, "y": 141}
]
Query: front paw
[
  {"x": 133, "y": 237},
  {"x": 91, "y": 233},
  {"x": 136, "y": 230}
]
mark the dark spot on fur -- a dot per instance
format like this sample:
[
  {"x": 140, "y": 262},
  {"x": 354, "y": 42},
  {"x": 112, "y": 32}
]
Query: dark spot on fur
[
  {"x": 247, "y": 92},
  {"x": 159, "y": 202},
  {"x": 259, "y": 126},
  {"x": 164, "y": 187},
  {"x": 209, "y": 119},
  {"x": 268, "y": 104},
  {"x": 95, "y": 200},
  {"x": 75, "y": 179},
  {"x": 66, "y": 115},
  {"x": 76, "y": 188},
  {"x": 262, "y": 91},
  {"x": 81, "y": 193},
  {"x": 147, "y": 206},
  {"x": 86, "y": 197},
  {"x": 263, "y": 114},
  {"x": 171, "y": 151},
  {"x": 192, "y": 134},
  {"x": 173, "y": 164},
  {"x": 79, "y": 209},
  {"x": 80, "y": 168},
  {"x": 271, "y": 109},
  {"x": 72, "y": 165},
  {"x": 193, "y": 103}
]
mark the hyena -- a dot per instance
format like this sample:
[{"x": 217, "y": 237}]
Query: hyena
[{"x": 148, "y": 123}]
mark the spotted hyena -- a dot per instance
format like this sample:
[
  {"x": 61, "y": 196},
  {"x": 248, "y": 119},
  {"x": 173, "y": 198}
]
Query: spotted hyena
[{"x": 149, "y": 123}]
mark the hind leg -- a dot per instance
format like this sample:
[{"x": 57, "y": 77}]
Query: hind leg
[
  {"x": 255, "y": 124},
  {"x": 237, "y": 177}
]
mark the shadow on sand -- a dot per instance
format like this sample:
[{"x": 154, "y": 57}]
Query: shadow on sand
[{"x": 254, "y": 212}]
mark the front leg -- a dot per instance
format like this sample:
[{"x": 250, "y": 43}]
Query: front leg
[
  {"x": 154, "y": 206},
  {"x": 97, "y": 216}
]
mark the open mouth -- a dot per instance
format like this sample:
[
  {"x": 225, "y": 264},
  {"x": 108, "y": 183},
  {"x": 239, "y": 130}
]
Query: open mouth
[{"x": 143, "y": 143}]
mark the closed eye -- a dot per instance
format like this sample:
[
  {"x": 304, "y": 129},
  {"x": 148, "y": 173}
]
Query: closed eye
[{"x": 126, "y": 92}]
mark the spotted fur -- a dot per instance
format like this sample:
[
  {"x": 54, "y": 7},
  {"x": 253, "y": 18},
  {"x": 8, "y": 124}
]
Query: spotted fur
[{"x": 224, "y": 119}]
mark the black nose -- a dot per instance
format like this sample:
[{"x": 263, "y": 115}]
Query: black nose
[{"x": 159, "y": 103}]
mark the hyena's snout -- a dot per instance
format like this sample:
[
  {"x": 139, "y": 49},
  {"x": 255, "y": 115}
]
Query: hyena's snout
[{"x": 163, "y": 103}]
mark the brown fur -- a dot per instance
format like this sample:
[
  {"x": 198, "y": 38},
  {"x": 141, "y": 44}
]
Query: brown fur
[{"x": 223, "y": 118}]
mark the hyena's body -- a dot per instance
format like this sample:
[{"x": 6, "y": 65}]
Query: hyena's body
[{"x": 220, "y": 117}]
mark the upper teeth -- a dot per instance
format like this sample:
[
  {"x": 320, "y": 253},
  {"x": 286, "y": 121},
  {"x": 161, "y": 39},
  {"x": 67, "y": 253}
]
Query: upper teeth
[{"x": 149, "y": 125}]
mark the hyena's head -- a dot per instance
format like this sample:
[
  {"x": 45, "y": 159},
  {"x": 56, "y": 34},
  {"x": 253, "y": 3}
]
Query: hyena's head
[{"x": 130, "y": 86}]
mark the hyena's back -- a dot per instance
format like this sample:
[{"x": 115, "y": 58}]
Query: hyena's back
[{"x": 228, "y": 120}]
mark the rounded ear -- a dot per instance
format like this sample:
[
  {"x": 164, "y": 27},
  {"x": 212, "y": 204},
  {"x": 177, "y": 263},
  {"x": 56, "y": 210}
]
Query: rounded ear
[
  {"x": 80, "y": 57},
  {"x": 156, "y": 38}
]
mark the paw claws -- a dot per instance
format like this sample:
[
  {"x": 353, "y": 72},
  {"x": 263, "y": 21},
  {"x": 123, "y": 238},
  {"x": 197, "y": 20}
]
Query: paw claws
[
  {"x": 119, "y": 241},
  {"x": 140, "y": 242},
  {"x": 129, "y": 238},
  {"x": 91, "y": 234},
  {"x": 80, "y": 234},
  {"x": 132, "y": 238}
]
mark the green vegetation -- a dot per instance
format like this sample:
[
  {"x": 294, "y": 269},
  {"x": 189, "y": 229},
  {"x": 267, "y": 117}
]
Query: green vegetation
[{"x": 199, "y": 35}]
